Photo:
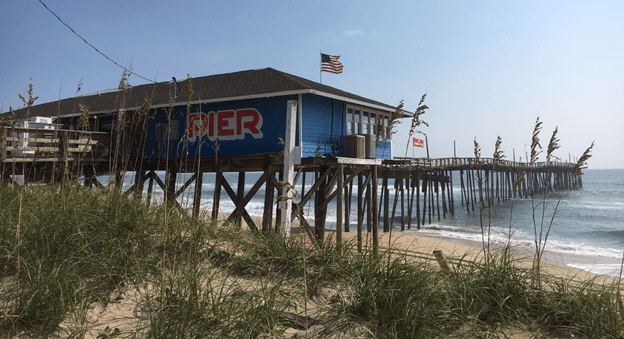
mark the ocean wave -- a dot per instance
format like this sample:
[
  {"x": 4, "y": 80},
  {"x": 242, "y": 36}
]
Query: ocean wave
[
  {"x": 518, "y": 238},
  {"x": 612, "y": 270}
]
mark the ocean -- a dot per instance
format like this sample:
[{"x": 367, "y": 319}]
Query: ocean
[{"x": 586, "y": 225}]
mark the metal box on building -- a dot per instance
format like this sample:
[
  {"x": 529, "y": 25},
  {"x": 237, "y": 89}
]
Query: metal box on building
[
  {"x": 353, "y": 146},
  {"x": 370, "y": 146}
]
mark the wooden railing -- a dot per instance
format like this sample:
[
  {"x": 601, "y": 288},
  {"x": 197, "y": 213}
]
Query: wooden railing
[
  {"x": 40, "y": 145},
  {"x": 459, "y": 163}
]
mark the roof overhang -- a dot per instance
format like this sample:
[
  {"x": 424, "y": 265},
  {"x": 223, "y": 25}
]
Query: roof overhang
[{"x": 253, "y": 96}]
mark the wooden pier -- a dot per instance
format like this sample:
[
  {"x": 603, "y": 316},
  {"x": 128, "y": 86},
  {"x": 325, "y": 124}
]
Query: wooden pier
[{"x": 423, "y": 188}]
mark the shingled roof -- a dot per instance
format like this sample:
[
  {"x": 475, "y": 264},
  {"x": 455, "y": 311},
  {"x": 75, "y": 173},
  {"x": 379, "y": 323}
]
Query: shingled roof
[{"x": 259, "y": 83}]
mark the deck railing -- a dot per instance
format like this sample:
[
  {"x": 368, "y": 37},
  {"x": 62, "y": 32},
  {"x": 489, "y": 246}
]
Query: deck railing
[
  {"x": 19, "y": 144},
  {"x": 458, "y": 163}
]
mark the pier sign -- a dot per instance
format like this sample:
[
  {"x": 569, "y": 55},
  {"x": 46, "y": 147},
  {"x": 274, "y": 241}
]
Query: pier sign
[{"x": 225, "y": 125}]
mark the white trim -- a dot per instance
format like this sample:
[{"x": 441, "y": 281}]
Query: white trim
[
  {"x": 353, "y": 101},
  {"x": 289, "y": 166},
  {"x": 300, "y": 118}
]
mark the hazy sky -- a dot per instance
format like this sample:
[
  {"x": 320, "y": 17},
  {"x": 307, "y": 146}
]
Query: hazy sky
[{"x": 489, "y": 68}]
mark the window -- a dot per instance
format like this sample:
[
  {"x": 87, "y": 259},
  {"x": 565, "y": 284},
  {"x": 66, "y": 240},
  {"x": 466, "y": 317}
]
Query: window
[
  {"x": 373, "y": 125},
  {"x": 386, "y": 129},
  {"x": 360, "y": 121},
  {"x": 349, "y": 121}
]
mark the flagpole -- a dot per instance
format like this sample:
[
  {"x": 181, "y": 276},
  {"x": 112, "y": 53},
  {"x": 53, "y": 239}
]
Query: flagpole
[{"x": 321, "y": 67}]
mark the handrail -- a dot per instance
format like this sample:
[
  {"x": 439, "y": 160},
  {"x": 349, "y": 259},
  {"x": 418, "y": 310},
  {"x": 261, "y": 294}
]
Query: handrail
[
  {"x": 472, "y": 162},
  {"x": 21, "y": 144}
]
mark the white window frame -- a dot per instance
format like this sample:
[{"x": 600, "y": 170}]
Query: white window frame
[{"x": 359, "y": 125}]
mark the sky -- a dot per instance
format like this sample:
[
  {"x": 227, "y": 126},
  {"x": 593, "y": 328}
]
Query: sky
[{"x": 489, "y": 68}]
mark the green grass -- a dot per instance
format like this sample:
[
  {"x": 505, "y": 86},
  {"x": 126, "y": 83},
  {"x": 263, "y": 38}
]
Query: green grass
[{"x": 201, "y": 280}]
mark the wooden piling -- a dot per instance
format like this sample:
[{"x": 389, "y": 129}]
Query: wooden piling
[
  {"x": 360, "y": 212},
  {"x": 339, "y": 202},
  {"x": 199, "y": 183},
  {"x": 269, "y": 198},
  {"x": 375, "y": 212}
]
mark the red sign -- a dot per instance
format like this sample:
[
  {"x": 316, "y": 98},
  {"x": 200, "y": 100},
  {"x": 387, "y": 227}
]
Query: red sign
[{"x": 225, "y": 125}]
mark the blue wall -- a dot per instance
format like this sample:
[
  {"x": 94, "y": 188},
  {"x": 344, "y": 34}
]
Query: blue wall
[
  {"x": 323, "y": 121},
  {"x": 272, "y": 110}
]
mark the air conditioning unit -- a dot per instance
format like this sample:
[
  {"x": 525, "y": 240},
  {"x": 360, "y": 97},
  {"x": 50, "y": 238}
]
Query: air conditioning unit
[
  {"x": 371, "y": 146},
  {"x": 353, "y": 146}
]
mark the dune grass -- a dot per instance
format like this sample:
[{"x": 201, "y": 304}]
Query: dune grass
[{"x": 77, "y": 247}]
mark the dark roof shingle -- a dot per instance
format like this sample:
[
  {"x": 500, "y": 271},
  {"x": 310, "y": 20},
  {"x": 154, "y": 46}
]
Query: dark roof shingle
[{"x": 267, "y": 81}]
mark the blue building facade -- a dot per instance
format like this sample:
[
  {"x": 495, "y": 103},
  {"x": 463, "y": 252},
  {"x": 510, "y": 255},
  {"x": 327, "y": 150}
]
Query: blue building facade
[{"x": 255, "y": 126}]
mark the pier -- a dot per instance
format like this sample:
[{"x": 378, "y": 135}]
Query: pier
[{"x": 423, "y": 187}]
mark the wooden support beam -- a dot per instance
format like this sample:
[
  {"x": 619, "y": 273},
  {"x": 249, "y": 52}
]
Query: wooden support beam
[
  {"x": 199, "y": 183},
  {"x": 348, "y": 191},
  {"x": 239, "y": 213},
  {"x": 240, "y": 190},
  {"x": 150, "y": 187},
  {"x": 320, "y": 208},
  {"x": 160, "y": 183},
  {"x": 386, "y": 203},
  {"x": 360, "y": 209},
  {"x": 396, "y": 200},
  {"x": 171, "y": 176},
  {"x": 368, "y": 207},
  {"x": 402, "y": 189},
  {"x": 308, "y": 229},
  {"x": 139, "y": 182},
  {"x": 417, "y": 189},
  {"x": 333, "y": 179},
  {"x": 216, "y": 200},
  {"x": 303, "y": 183},
  {"x": 375, "y": 214},
  {"x": 339, "y": 190},
  {"x": 411, "y": 190},
  {"x": 185, "y": 186},
  {"x": 278, "y": 211},
  {"x": 242, "y": 204},
  {"x": 314, "y": 187},
  {"x": 425, "y": 186},
  {"x": 436, "y": 185},
  {"x": 450, "y": 192},
  {"x": 267, "y": 220},
  {"x": 431, "y": 206}
]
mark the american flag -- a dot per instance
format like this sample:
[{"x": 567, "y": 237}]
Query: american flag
[{"x": 331, "y": 64}]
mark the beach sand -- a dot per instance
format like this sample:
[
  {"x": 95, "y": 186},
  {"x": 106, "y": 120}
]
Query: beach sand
[
  {"x": 125, "y": 313},
  {"x": 553, "y": 263}
]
